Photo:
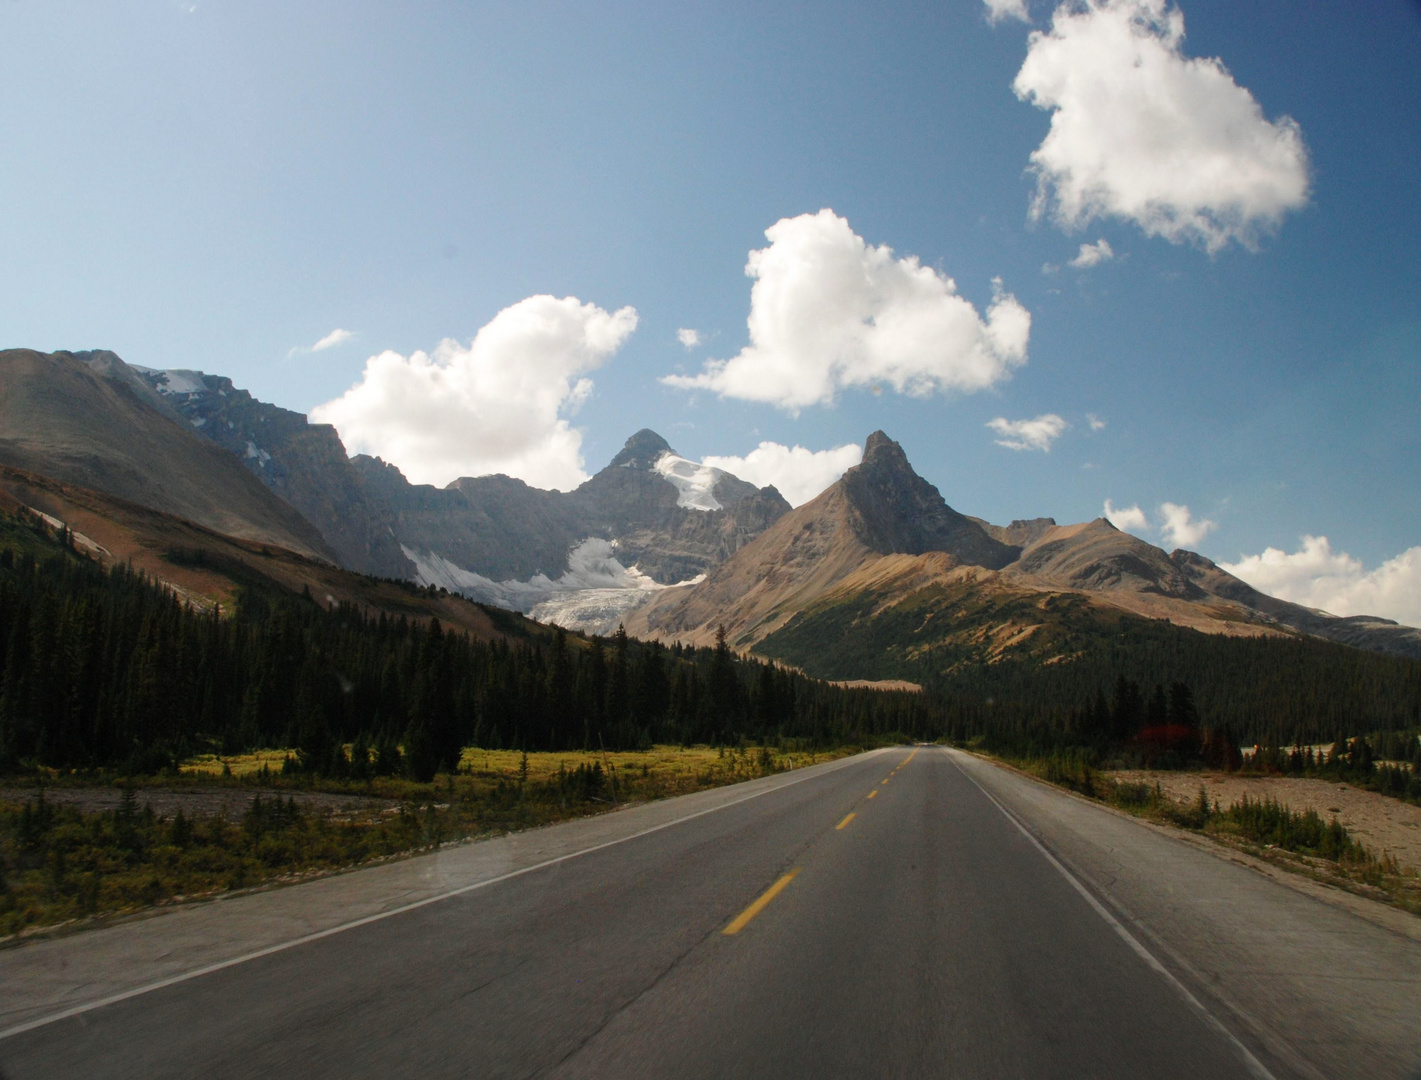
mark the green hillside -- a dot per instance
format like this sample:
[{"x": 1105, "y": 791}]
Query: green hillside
[{"x": 1008, "y": 659}]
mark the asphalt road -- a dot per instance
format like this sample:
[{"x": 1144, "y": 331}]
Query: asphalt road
[{"x": 890, "y": 918}]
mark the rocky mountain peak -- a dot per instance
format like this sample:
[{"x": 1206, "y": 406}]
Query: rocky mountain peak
[
  {"x": 642, "y": 451},
  {"x": 881, "y": 451},
  {"x": 901, "y": 513}
]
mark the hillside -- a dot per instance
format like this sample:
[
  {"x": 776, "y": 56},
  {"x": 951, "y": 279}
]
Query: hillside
[
  {"x": 89, "y": 419},
  {"x": 208, "y": 569}
]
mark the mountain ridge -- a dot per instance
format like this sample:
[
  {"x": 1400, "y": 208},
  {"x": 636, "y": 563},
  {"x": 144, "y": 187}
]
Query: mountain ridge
[{"x": 674, "y": 548}]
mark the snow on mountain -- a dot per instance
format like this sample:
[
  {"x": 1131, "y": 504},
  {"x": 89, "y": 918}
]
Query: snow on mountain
[
  {"x": 175, "y": 381},
  {"x": 592, "y": 595},
  {"x": 694, "y": 482}
]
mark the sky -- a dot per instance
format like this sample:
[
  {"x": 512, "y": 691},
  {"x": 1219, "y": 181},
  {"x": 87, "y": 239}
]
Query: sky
[{"x": 1159, "y": 256}]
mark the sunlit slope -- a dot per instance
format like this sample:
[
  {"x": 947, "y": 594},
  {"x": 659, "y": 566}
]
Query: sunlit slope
[
  {"x": 89, "y": 419},
  {"x": 996, "y": 647},
  {"x": 207, "y": 568}
]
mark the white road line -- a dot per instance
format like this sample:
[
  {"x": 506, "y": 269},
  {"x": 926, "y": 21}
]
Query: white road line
[
  {"x": 1256, "y": 1067},
  {"x": 197, "y": 973}
]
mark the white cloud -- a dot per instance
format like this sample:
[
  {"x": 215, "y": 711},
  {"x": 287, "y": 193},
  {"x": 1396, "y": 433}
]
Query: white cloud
[
  {"x": 799, "y": 474},
  {"x": 688, "y": 338},
  {"x": 1093, "y": 255},
  {"x": 1095, "y": 422},
  {"x": 1037, "y": 434},
  {"x": 1141, "y": 132},
  {"x": 330, "y": 341},
  {"x": 499, "y": 405},
  {"x": 1127, "y": 518},
  {"x": 1318, "y": 577},
  {"x": 1179, "y": 528},
  {"x": 1001, "y": 10},
  {"x": 828, "y": 311}
]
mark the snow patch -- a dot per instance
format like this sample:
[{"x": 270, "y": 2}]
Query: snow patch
[
  {"x": 79, "y": 538},
  {"x": 695, "y": 483},
  {"x": 180, "y": 382},
  {"x": 593, "y": 594},
  {"x": 255, "y": 452}
]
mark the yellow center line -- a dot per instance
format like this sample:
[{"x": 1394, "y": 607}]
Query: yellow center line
[
  {"x": 887, "y": 778},
  {"x": 845, "y": 821},
  {"x": 759, "y": 905},
  {"x": 872, "y": 793}
]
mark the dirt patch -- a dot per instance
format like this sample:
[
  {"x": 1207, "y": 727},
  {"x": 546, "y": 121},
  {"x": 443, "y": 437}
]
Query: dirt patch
[
  {"x": 1382, "y": 823},
  {"x": 230, "y": 802},
  {"x": 879, "y": 684}
]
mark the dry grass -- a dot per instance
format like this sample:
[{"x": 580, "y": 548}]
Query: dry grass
[
  {"x": 660, "y": 772},
  {"x": 208, "y": 765}
]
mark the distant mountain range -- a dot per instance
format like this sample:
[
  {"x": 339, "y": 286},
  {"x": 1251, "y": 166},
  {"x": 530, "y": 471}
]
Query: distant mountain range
[{"x": 877, "y": 571}]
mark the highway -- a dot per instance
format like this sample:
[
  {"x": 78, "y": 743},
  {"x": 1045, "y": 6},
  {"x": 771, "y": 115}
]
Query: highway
[{"x": 914, "y": 912}]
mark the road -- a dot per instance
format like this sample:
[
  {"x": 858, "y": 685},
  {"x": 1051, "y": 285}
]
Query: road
[{"x": 907, "y": 913}]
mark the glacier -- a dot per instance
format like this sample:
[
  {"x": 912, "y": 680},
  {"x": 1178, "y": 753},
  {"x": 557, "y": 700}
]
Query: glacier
[{"x": 593, "y": 595}]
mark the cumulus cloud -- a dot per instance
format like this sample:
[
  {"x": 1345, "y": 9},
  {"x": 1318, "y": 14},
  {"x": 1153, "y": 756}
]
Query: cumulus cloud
[
  {"x": 1093, "y": 255},
  {"x": 1095, "y": 422},
  {"x": 799, "y": 474},
  {"x": 1127, "y": 518},
  {"x": 1001, "y": 10},
  {"x": 330, "y": 341},
  {"x": 1037, "y": 434},
  {"x": 498, "y": 405},
  {"x": 1318, "y": 577},
  {"x": 828, "y": 311},
  {"x": 1179, "y": 528},
  {"x": 688, "y": 338},
  {"x": 1139, "y": 131}
]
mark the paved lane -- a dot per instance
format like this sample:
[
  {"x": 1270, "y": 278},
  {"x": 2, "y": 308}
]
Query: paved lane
[
  {"x": 927, "y": 937},
  {"x": 916, "y": 931}
]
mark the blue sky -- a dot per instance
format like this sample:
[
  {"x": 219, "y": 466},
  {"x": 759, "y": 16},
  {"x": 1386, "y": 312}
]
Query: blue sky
[{"x": 214, "y": 185}]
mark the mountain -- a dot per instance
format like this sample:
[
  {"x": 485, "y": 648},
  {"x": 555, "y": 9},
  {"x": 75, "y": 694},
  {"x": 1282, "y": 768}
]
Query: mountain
[
  {"x": 879, "y": 578},
  {"x": 303, "y": 463},
  {"x": 650, "y": 518},
  {"x": 1362, "y": 631},
  {"x": 673, "y": 548},
  {"x": 89, "y": 419},
  {"x": 879, "y": 507}
]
